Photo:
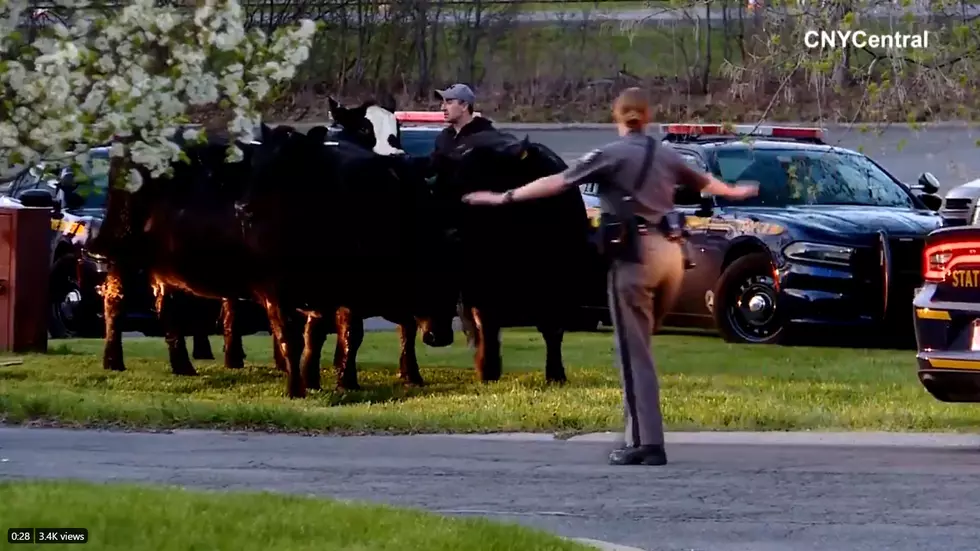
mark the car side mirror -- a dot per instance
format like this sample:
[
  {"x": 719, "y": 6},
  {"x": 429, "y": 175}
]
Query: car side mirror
[
  {"x": 67, "y": 181},
  {"x": 37, "y": 198},
  {"x": 934, "y": 202},
  {"x": 927, "y": 183}
]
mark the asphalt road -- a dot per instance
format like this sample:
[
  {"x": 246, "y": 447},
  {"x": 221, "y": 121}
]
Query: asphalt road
[
  {"x": 709, "y": 498},
  {"x": 951, "y": 154}
]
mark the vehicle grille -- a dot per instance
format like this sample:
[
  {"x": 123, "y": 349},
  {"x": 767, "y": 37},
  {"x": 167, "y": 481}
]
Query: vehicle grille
[
  {"x": 907, "y": 258},
  {"x": 957, "y": 204}
]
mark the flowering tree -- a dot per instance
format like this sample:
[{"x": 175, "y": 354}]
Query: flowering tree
[{"x": 130, "y": 77}]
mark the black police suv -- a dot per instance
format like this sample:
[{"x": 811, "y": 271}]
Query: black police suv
[
  {"x": 831, "y": 241},
  {"x": 947, "y": 315}
]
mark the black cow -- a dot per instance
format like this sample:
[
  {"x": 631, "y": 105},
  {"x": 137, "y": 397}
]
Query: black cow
[
  {"x": 183, "y": 234},
  {"x": 522, "y": 263},
  {"x": 351, "y": 232},
  {"x": 373, "y": 127}
]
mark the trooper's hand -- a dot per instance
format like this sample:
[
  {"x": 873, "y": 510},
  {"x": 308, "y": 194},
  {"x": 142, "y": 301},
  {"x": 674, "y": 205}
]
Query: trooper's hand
[
  {"x": 483, "y": 198},
  {"x": 743, "y": 191}
]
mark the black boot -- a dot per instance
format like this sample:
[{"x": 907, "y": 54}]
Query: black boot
[{"x": 640, "y": 455}]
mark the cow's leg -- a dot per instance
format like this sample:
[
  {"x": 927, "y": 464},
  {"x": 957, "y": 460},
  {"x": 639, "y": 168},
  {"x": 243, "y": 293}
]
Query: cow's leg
[
  {"x": 202, "y": 347},
  {"x": 350, "y": 335},
  {"x": 287, "y": 335},
  {"x": 234, "y": 351},
  {"x": 112, "y": 298},
  {"x": 408, "y": 363},
  {"x": 488, "y": 361},
  {"x": 197, "y": 315},
  {"x": 167, "y": 309},
  {"x": 314, "y": 335},
  {"x": 277, "y": 353},
  {"x": 554, "y": 367}
]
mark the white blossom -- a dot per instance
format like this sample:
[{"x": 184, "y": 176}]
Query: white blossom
[{"x": 132, "y": 75}]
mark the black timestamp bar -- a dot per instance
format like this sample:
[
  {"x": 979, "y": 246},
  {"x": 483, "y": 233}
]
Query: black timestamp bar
[
  {"x": 20, "y": 535},
  {"x": 61, "y": 535}
]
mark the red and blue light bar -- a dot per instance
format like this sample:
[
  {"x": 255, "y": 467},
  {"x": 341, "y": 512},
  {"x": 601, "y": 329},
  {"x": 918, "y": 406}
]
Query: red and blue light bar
[{"x": 769, "y": 131}]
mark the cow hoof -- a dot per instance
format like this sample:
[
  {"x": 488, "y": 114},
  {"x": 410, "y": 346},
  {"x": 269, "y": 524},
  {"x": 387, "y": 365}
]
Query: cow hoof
[
  {"x": 413, "y": 381},
  {"x": 235, "y": 364},
  {"x": 187, "y": 371},
  {"x": 203, "y": 355},
  {"x": 557, "y": 380},
  {"x": 113, "y": 365},
  {"x": 348, "y": 386}
]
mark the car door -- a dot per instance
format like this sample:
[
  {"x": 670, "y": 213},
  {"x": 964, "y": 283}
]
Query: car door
[{"x": 703, "y": 249}]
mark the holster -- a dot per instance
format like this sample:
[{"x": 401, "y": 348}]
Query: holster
[
  {"x": 671, "y": 225},
  {"x": 619, "y": 238}
]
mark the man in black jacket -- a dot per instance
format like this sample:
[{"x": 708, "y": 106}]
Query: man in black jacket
[{"x": 457, "y": 105}]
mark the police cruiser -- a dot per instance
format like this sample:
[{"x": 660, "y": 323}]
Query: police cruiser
[
  {"x": 947, "y": 315},
  {"x": 831, "y": 241}
]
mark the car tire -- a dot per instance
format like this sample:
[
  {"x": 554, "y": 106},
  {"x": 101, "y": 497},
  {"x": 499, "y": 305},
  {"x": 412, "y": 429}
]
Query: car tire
[
  {"x": 749, "y": 279},
  {"x": 66, "y": 321}
]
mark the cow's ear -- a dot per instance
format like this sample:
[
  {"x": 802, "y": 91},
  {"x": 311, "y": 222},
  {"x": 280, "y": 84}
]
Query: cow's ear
[
  {"x": 387, "y": 101},
  {"x": 335, "y": 108}
]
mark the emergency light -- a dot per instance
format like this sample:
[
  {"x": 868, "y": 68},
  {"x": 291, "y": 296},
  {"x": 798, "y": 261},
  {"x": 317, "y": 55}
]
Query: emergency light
[
  {"x": 423, "y": 116},
  {"x": 743, "y": 130}
]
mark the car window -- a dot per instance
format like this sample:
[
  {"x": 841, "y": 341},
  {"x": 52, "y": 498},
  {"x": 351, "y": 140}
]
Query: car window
[
  {"x": 692, "y": 160},
  {"x": 93, "y": 181},
  {"x": 418, "y": 142},
  {"x": 814, "y": 177}
]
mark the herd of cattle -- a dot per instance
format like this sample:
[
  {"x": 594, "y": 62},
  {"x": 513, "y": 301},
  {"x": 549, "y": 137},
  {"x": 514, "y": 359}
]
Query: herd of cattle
[{"x": 306, "y": 229}]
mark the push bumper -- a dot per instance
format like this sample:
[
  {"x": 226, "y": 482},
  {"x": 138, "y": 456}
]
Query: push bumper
[
  {"x": 948, "y": 368},
  {"x": 820, "y": 295},
  {"x": 874, "y": 291}
]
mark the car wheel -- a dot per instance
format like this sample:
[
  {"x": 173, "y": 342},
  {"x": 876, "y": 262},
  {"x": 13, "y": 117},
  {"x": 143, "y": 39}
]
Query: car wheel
[
  {"x": 746, "y": 302},
  {"x": 69, "y": 318}
]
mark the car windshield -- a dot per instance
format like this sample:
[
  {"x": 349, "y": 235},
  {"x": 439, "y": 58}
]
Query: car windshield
[{"x": 800, "y": 177}]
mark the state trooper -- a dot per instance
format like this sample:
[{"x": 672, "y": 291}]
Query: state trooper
[{"x": 637, "y": 177}]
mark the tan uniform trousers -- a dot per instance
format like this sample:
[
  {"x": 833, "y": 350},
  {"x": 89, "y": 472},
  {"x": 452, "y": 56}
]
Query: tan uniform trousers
[{"x": 640, "y": 295}]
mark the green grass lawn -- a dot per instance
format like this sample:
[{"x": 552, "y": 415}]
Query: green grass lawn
[
  {"x": 172, "y": 519},
  {"x": 707, "y": 385}
]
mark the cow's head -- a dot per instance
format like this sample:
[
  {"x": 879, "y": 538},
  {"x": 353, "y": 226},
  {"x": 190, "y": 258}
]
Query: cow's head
[
  {"x": 370, "y": 125},
  {"x": 497, "y": 161}
]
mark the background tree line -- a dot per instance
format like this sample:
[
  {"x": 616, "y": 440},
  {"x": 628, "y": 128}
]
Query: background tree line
[{"x": 563, "y": 60}]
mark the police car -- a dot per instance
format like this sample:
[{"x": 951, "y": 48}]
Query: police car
[
  {"x": 831, "y": 241},
  {"x": 947, "y": 315}
]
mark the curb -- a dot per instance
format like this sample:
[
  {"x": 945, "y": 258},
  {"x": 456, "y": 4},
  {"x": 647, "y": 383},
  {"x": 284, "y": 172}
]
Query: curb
[
  {"x": 604, "y": 545},
  {"x": 733, "y": 438},
  {"x": 610, "y": 127}
]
